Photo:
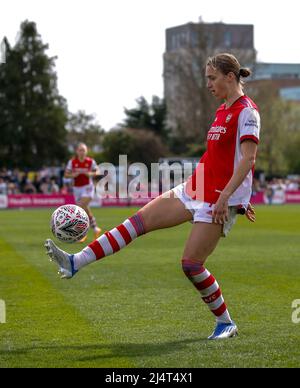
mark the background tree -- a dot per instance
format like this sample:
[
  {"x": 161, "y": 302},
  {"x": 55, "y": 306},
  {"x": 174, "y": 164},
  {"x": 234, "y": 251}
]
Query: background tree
[
  {"x": 33, "y": 114},
  {"x": 275, "y": 132},
  {"x": 115, "y": 143},
  {"x": 139, "y": 145},
  {"x": 292, "y": 154},
  {"x": 83, "y": 127},
  {"x": 148, "y": 116},
  {"x": 147, "y": 147}
]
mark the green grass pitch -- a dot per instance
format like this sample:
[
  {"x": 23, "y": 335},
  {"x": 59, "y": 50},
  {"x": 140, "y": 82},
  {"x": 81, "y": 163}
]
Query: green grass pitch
[{"x": 137, "y": 309}]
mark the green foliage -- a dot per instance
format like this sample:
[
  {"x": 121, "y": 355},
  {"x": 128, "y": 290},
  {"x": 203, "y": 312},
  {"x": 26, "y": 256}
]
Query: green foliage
[
  {"x": 83, "y": 128},
  {"x": 33, "y": 114},
  {"x": 195, "y": 150},
  {"x": 150, "y": 116},
  {"x": 139, "y": 145},
  {"x": 280, "y": 122},
  {"x": 115, "y": 143},
  {"x": 147, "y": 147},
  {"x": 292, "y": 153}
]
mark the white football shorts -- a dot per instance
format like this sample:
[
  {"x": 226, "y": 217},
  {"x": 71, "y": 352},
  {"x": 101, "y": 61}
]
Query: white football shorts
[
  {"x": 87, "y": 191},
  {"x": 202, "y": 211}
]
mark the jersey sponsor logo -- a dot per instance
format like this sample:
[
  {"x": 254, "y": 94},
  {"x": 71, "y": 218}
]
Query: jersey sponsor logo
[
  {"x": 216, "y": 132},
  {"x": 213, "y": 136},
  {"x": 218, "y": 129},
  {"x": 251, "y": 123}
]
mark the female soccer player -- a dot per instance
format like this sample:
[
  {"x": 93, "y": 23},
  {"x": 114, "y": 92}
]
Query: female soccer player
[
  {"x": 83, "y": 169},
  {"x": 227, "y": 167}
]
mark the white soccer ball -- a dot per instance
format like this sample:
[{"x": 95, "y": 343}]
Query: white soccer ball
[{"x": 69, "y": 223}]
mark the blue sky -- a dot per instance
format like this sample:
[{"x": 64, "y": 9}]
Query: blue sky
[{"x": 110, "y": 52}]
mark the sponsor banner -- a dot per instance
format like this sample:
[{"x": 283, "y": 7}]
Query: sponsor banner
[
  {"x": 257, "y": 199},
  {"x": 292, "y": 197},
  {"x": 279, "y": 197},
  {"x": 120, "y": 202},
  {"x": 3, "y": 201},
  {"x": 39, "y": 200},
  {"x": 56, "y": 200}
]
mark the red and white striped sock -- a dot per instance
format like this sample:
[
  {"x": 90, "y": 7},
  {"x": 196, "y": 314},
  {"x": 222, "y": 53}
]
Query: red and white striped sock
[
  {"x": 208, "y": 287},
  {"x": 111, "y": 242}
]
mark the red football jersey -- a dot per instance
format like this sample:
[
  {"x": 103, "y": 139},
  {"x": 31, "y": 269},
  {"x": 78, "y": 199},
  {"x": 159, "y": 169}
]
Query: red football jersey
[
  {"x": 88, "y": 165},
  {"x": 241, "y": 121}
]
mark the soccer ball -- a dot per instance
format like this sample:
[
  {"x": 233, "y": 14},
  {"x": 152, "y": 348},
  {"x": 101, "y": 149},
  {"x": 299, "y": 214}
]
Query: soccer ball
[{"x": 69, "y": 223}]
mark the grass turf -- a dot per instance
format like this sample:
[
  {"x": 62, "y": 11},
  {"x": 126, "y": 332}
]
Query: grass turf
[{"x": 138, "y": 310}]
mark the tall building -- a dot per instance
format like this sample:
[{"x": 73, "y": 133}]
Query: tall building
[
  {"x": 189, "y": 105},
  {"x": 217, "y": 36}
]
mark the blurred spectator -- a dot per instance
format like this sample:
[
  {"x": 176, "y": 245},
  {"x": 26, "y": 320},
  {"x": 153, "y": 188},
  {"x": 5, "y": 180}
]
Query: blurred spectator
[
  {"x": 29, "y": 188},
  {"x": 66, "y": 189},
  {"x": 292, "y": 185},
  {"x": 3, "y": 186},
  {"x": 50, "y": 180},
  {"x": 45, "y": 185},
  {"x": 12, "y": 188},
  {"x": 269, "y": 192},
  {"x": 53, "y": 188}
]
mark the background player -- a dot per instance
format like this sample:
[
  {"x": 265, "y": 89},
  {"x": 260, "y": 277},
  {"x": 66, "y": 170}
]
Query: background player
[
  {"x": 227, "y": 166},
  {"x": 82, "y": 170}
]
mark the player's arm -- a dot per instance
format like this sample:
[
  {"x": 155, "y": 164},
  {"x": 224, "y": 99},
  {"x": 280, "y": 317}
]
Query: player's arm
[
  {"x": 95, "y": 171},
  {"x": 69, "y": 173},
  {"x": 249, "y": 150}
]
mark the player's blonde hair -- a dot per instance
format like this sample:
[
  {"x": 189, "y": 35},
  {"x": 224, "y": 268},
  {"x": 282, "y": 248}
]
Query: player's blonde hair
[{"x": 227, "y": 63}]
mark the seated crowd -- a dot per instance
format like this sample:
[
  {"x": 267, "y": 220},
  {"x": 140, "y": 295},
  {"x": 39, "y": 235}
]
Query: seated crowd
[{"x": 52, "y": 181}]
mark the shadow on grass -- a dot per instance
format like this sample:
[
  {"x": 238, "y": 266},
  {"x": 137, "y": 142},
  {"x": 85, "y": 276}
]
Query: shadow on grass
[{"x": 107, "y": 351}]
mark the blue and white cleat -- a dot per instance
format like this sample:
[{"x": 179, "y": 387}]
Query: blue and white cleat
[
  {"x": 64, "y": 260},
  {"x": 224, "y": 330}
]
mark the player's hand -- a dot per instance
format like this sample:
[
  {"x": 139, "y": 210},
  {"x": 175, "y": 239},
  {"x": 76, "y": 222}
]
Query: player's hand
[
  {"x": 221, "y": 211},
  {"x": 250, "y": 213}
]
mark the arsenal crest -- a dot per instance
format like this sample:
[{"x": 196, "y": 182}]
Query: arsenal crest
[{"x": 228, "y": 118}]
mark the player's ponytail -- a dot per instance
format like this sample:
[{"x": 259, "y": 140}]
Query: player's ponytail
[{"x": 245, "y": 72}]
